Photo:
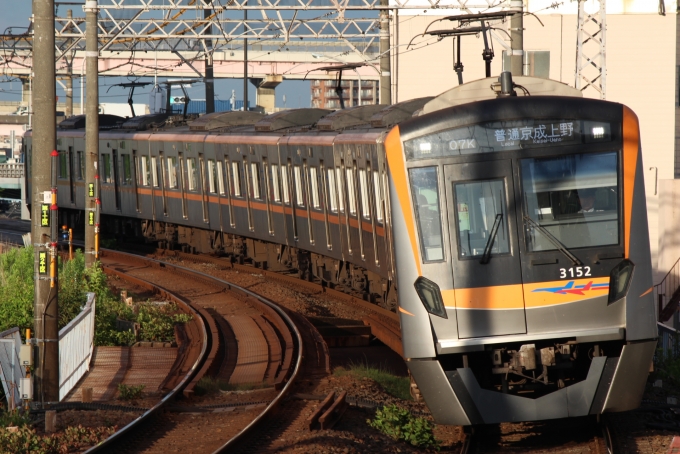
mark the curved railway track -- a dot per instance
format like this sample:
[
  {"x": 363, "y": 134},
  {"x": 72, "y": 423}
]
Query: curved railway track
[{"x": 204, "y": 294}]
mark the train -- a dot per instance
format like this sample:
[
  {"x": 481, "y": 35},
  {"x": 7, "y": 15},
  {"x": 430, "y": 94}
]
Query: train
[{"x": 503, "y": 220}]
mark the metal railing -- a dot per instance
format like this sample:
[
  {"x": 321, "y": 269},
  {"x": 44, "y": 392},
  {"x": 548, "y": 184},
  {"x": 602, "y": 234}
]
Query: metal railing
[
  {"x": 667, "y": 293},
  {"x": 668, "y": 341},
  {"x": 12, "y": 170},
  {"x": 76, "y": 344},
  {"x": 11, "y": 371}
]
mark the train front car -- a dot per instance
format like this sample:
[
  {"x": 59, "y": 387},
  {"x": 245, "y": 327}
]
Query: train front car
[{"x": 523, "y": 264}]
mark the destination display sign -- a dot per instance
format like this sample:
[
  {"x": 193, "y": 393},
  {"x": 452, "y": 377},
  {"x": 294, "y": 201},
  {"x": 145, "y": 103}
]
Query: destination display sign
[{"x": 499, "y": 136}]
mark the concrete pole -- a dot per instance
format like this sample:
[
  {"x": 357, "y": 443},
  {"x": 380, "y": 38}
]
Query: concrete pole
[
  {"x": 385, "y": 75},
  {"x": 517, "y": 36},
  {"x": 68, "y": 111},
  {"x": 245, "y": 59},
  {"x": 209, "y": 76},
  {"x": 43, "y": 204},
  {"x": 91, "y": 129}
]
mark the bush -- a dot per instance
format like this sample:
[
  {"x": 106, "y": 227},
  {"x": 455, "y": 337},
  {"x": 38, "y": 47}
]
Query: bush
[
  {"x": 400, "y": 424},
  {"x": 16, "y": 288},
  {"x": 13, "y": 418},
  {"x": 26, "y": 441},
  {"x": 130, "y": 392}
]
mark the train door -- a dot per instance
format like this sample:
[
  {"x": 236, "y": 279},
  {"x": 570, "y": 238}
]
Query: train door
[
  {"x": 203, "y": 187},
  {"x": 116, "y": 181},
  {"x": 485, "y": 252},
  {"x": 182, "y": 182}
]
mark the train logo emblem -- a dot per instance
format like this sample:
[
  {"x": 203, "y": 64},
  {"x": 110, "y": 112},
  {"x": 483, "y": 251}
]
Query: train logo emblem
[{"x": 571, "y": 289}]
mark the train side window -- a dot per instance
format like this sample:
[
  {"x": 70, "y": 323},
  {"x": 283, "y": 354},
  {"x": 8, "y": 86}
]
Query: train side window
[
  {"x": 212, "y": 176},
  {"x": 220, "y": 177},
  {"x": 255, "y": 177},
  {"x": 297, "y": 174},
  {"x": 314, "y": 183},
  {"x": 341, "y": 192},
  {"x": 63, "y": 173},
  {"x": 191, "y": 174},
  {"x": 145, "y": 171},
  {"x": 106, "y": 168},
  {"x": 351, "y": 191},
  {"x": 275, "y": 183},
  {"x": 172, "y": 172},
  {"x": 365, "y": 201},
  {"x": 284, "y": 184},
  {"x": 127, "y": 170},
  {"x": 81, "y": 165},
  {"x": 425, "y": 193},
  {"x": 378, "y": 198},
  {"x": 332, "y": 193},
  {"x": 154, "y": 171},
  {"x": 236, "y": 176}
]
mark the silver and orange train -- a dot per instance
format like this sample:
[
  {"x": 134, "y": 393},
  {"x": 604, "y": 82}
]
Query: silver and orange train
[{"x": 507, "y": 229}]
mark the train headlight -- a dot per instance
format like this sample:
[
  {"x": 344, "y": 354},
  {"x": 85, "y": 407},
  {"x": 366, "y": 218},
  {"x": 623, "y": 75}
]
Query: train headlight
[
  {"x": 619, "y": 280},
  {"x": 430, "y": 296}
]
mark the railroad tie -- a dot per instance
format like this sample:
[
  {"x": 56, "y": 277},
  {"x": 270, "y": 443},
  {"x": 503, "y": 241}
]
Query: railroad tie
[{"x": 328, "y": 412}]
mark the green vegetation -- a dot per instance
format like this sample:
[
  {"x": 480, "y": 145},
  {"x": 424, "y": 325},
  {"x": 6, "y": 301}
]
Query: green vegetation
[
  {"x": 26, "y": 441},
  {"x": 130, "y": 392},
  {"x": 400, "y": 424},
  {"x": 13, "y": 418},
  {"x": 16, "y": 301},
  {"x": 210, "y": 385},
  {"x": 667, "y": 365},
  {"x": 399, "y": 387}
]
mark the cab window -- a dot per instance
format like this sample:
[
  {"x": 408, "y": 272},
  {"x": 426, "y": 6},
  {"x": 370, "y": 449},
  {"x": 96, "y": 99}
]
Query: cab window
[{"x": 425, "y": 193}]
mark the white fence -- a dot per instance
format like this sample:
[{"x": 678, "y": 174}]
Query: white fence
[
  {"x": 11, "y": 371},
  {"x": 76, "y": 343}
]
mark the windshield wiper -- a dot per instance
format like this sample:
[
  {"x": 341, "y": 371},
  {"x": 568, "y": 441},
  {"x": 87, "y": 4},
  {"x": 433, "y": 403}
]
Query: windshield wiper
[
  {"x": 560, "y": 247},
  {"x": 489, "y": 243}
]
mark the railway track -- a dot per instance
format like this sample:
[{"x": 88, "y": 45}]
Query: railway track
[
  {"x": 384, "y": 323},
  {"x": 230, "y": 314}
]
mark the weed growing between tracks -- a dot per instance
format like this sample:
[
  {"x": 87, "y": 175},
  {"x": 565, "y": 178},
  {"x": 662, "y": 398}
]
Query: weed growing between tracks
[
  {"x": 130, "y": 392},
  {"x": 399, "y": 424},
  {"x": 210, "y": 385},
  {"x": 396, "y": 386}
]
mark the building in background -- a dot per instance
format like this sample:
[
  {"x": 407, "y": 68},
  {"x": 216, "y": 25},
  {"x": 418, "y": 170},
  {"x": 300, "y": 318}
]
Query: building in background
[{"x": 324, "y": 95}]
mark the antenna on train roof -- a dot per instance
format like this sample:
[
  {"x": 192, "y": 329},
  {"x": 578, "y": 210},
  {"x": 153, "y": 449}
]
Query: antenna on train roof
[{"x": 507, "y": 87}]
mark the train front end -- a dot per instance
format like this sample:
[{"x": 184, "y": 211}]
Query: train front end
[{"x": 522, "y": 257}]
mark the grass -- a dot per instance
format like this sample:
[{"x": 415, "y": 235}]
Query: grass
[
  {"x": 211, "y": 385},
  {"x": 399, "y": 387}
]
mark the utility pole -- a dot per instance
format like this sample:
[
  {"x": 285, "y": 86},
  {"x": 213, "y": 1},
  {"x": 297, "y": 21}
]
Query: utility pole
[
  {"x": 517, "y": 37},
  {"x": 385, "y": 75},
  {"x": 245, "y": 58},
  {"x": 209, "y": 76},
  {"x": 92, "y": 204},
  {"x": 69, "y": 78},
  {"x": 44, "y": 218}
]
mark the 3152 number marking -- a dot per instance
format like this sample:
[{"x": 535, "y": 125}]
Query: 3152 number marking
[{"x": 575, "y": 271}]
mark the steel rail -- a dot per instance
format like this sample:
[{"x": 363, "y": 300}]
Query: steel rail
[
  {"x": 123, "y": 432},
  {"x": 297, "y": 336}
]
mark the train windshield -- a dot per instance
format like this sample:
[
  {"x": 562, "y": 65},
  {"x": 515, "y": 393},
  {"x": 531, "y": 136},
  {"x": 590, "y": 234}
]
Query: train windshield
[
  {"x": 425, "y": 192},
  {"x": 575, "y": 198}
]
